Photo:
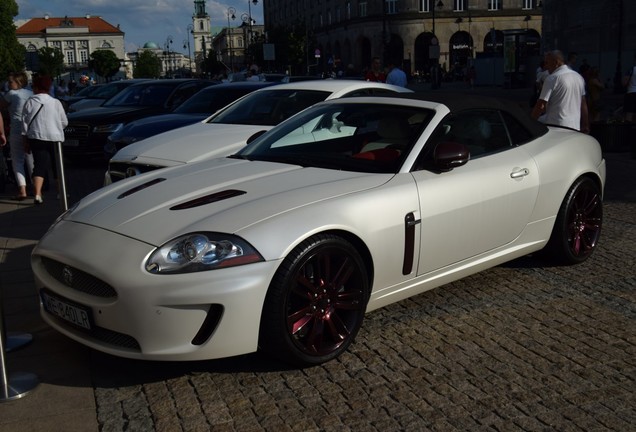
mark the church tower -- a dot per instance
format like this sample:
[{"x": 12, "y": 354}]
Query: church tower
[{"x": 201, "y": 32}]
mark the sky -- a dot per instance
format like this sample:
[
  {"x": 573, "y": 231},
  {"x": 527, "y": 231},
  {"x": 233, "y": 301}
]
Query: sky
[{"x": 143, "y": 20}]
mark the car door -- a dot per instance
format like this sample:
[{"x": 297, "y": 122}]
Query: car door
[{"x": 478, "y": 207}]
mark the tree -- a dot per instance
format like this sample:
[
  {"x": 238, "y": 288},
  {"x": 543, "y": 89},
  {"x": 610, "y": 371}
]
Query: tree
[
  {"x": 11, "y": 51},
  {"x": 105, "y": 63},
  {"x": 291, "y": 46},
  {"x": 51, "y": 61},
  {"x": 148, "y": 65}
]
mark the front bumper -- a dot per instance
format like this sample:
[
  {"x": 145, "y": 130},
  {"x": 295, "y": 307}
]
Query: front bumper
[{"x": 146, "y": 316}]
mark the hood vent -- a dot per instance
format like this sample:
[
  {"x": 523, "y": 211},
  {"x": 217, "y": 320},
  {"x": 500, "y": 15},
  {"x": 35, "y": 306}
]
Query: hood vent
[
  {"x": 140, "y": 187},
  {"x": 208, "y": 199}
]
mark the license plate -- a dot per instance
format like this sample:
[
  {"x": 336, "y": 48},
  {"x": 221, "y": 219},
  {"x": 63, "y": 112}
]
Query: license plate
[
  {"x": 74, "y": 314},
  {"x": 71, "y": 143}
]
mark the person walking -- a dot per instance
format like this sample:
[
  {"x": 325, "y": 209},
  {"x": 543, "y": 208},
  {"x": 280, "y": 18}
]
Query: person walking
[
  {"x": 396, "y": 76},
  {"x": 43, "y": 123},
  {"x": 375, "y": 74},
  {"x": 562, "y": 101},
  {"x": 629, "y": 101},
  {"x": 595, "y": 89},
  {"x": 3, "y": 138},
  {"x": 21, "y": 162}
]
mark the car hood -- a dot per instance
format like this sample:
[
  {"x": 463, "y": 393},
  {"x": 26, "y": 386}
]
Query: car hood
[
  {"x": 104, "y": 114},
  {"x": 196, "y": 142},
  {"x": 221, "y": 195}
]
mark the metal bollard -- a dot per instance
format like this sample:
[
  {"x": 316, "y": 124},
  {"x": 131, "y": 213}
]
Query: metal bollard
[
  {"x": 18, "y": 384},
  {"x": 59, "y": 162}
]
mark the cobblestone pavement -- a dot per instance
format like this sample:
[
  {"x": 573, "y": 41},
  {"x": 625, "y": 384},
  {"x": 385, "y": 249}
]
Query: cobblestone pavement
[{"x": 523, "y": 346}]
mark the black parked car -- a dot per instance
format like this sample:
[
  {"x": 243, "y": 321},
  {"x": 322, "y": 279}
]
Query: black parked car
[
  {"x": 199, "y": 107},
  {"x": 100, "y": 95},
  {"x": 88, "y": 129}
]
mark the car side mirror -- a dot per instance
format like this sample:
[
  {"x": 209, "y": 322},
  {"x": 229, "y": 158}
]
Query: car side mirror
[
  {"x": 449, "y": 154},
  {"x": 256, "y": 135}
]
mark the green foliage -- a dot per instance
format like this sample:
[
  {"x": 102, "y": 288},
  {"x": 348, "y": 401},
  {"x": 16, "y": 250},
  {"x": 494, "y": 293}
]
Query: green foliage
[
  {"x": 291, "y": 47},
  {"x": 51, "y": 61},
  {"x": 11, "y": 51},
  {"x": 148, "y": 65},
  {"x": 211, "y": 66},
  {"x": 105, "y": 63}
]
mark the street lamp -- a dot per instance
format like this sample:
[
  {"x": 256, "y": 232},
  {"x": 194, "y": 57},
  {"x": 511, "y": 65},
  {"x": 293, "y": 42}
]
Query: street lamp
[
  {"x": 251, "y": 22},
  {"x": 438, "y": 5},
  {"x": 249, "y": 13},
  {"x": 231, "y": 13},
  {"x": 168, "y": 48},
  {"x": 190, "y": 30}
]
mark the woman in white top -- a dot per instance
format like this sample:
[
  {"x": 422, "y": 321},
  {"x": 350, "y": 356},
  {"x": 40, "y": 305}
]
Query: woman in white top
[
  {"x": 629, "y": 103},
  {"x": 43, "y": 123},
  {"x": 14, "y": 99}
]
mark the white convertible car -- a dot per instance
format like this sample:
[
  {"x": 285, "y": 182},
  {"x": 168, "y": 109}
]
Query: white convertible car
[
  {"x": 284, "y": 246},
  {"x": 226, "y": 131}
]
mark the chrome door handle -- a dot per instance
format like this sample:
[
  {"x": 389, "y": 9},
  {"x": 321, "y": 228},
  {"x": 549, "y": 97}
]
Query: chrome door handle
[{"x": 518, "y": 173}]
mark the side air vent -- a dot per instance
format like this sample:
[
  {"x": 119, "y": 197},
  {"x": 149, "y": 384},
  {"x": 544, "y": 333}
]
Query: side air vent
[
  {"x": 208, "y": 199},
  {"x": 140, "y": 187}
]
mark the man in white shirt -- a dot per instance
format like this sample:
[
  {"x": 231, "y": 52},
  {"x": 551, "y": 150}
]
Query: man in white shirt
[{"x": 562, "y": 100}]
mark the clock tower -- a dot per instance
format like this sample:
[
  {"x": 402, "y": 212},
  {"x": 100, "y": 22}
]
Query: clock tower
[{"x": 201, "y": 33}]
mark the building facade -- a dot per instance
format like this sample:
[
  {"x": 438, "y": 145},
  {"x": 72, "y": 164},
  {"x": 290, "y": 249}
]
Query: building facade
[
  {"x": 415, "y": 33},
  {"x": 231, "y": 45},
  {"x": 601, "y": 32},
  {"x": 76, "y": 37},
  {"x": 173, "y": 63}
]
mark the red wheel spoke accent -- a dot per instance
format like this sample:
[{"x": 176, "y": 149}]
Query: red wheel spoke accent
[
  {"x": 348, "y": 300},
  {"x": 299, "y": 319},
  {"x": 342, "y": 276},
  {"x": 314, "y": 341},
  {"x": 338, "y": 329}
]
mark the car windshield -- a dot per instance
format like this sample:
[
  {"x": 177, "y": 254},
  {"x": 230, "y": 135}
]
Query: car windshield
[
  {"x": 212, "y": 99},
  {"x": 141, "y": 95},
  {"x": 365, "y": 137},
  {"x": 269, "y": 107},
  {"x": 88, "y": 90},
  {"x": 108, "y": 91}
]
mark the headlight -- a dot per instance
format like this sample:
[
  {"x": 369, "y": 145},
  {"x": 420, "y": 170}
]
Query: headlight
[
  {"x": 108, "y": 128},
  {"x": 200, "y": 252}
]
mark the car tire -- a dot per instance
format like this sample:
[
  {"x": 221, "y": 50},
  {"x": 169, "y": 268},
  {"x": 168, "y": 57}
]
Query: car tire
[
  {"x": 577, "y": 228},
  {"x": 316, "y": 302}
]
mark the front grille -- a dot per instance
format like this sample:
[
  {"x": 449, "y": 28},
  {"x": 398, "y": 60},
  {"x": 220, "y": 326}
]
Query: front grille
[
  {"x": 78, "y": 279},
  {"x": 121, "y": 170},
  {"x": 103, "y": 335},
  {"x": 76, "y": 131}
]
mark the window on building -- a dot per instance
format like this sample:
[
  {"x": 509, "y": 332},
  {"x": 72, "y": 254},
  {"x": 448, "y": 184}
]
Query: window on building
[
  {"x": 362, "y": 8},
  {"x": 529, "y": 4},
  {"x": 83, "y": 55},
  {"x": 425, "y": 5},
  {"x": 458, "y": 5},
  {"x": 494, "y": 4},
  {"x": 70, "y": 57},
  {"x": 391, "y": 6},
  {"x": 348, "y": 11}
]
